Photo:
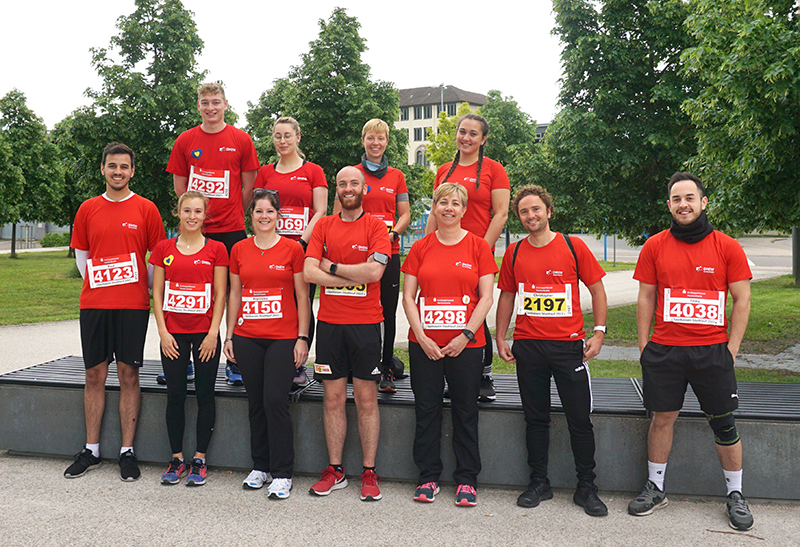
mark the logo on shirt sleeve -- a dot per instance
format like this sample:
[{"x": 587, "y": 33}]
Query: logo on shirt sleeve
[
  {"x": 168, "y": 260},
  {"x": 196, "y": 153}
]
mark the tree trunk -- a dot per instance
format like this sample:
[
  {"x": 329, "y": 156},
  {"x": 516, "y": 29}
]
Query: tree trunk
[
  {"x": 796, "y": 255},
  {"x": 13, "y": 241}
]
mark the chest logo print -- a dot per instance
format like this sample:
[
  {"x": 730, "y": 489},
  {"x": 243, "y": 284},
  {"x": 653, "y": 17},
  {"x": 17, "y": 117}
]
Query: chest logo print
[
  {"x": 168, "y": 260},
  {"x": 196, "y": 153}
]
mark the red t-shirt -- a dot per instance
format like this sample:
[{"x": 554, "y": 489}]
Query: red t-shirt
[
  {"x": 117, "y": 235},
  {"x": 189, "y": 284},
  {"x": 381, "y": 198},
  {"x": 268, "y": 307},
  {"x": 478, "y": 215},
  {"x": 349, "y": 243},
  {"x": 214, "y": 163},
  {"x": 448, "y": 278},
  {"x": 295, "y": 190},
  {"x": 693, "y": 279},
  {"x": 549, "y": 301}
]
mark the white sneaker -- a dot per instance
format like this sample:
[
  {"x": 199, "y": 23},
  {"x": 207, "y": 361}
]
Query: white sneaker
[
  {"x": 256, "y": 479},
  {"x": 279, "y": 489}
]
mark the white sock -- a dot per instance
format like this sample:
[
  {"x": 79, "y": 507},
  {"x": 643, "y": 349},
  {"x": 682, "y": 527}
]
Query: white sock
[
  {"x": 733, "y": 480},
  {"x": 95, "y": 448},
  {"x": 125, "y": 449},
  {"x": 655, "y": 472}
]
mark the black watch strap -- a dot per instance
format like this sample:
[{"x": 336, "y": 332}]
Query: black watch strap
[{"x": 469, "y": 334}]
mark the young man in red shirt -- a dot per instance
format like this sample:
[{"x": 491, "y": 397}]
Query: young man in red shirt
[
  {"x": 346, "y": 257},
  {"x": 684, "y": 276},
  {"x": 219, "y": 161},
  {"x": 111, "y": 236},
  {"x": 544, "y": 270}
]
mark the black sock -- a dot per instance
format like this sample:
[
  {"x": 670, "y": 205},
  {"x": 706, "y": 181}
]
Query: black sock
[{"x": 338, "y": 468}]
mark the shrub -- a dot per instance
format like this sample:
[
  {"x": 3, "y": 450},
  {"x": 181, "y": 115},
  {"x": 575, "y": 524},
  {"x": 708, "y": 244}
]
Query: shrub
[{"x": 55, "y": 239}]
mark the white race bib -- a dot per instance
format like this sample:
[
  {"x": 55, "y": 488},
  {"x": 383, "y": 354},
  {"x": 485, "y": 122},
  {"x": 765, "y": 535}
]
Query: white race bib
[
  {"x": 213, "y": 183},
  {"x": 545, "y": 300},
  {"x": 386, "y": 219},
  {"x": 261, "y": 304},
  {"x": 353, "y": 290},
  {"x": 697, "y": 307},
  {"x": 187, "y": 297},
  {"x": 293, "y": 221},
  {"x": 112, "y": 270},
  {"x": 443, "y": 312}
]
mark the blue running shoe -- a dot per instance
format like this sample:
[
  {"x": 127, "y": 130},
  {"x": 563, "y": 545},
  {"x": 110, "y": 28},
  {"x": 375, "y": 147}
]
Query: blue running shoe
[
  {"x": 190, "y": 373},
  {"x": 197, "y": 473},
  {"x": 232, "y": 373},
  {"x": 175, "y": 470}
]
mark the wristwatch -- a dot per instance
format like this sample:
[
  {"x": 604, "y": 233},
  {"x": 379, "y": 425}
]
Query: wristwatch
[
  {"x": 601, "y": 328},
  {"x": 469, "y": 334},
  {"x": 333, "y": 268}
]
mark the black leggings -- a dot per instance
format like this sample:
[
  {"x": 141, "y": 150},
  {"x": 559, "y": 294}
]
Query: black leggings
[
  {"x": 205, "y": 378},
  {"x": 390, "y": 292}
]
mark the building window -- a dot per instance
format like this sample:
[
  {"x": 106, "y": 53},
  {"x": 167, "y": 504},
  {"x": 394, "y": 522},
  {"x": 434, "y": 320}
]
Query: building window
[
  {"x": 417, "y": 112},
  {"x": 404, "y": 114},
  {"x": 452, "y": 108},
  {"x": 421, "y": 159},
  {"x": 428, "y": 112},
  {"x": 419, "y": 133}
]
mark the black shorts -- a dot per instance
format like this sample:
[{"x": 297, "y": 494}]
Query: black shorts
[
  {"x": 106, "y": 334},
  {"x": 342, "y": 349},
  {"x": 666, "y": 370},
  {"x": 229, "y": 239}
]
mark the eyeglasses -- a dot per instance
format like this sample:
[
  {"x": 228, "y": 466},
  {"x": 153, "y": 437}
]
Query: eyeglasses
[{"x": 287, "y": 137}]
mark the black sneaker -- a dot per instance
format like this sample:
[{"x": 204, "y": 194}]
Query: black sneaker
[
  {"x": 739, "y": 515},
  {"x": 128, "y": 468},
  {"x": 648, "y": 501},
  {"x": 537, "y": 492},
  {"x": 84, "y": 461},
  {"x": 487, "y": 392},
  {"x": 586, "y": 496},
  {"x": 387, "y": 382}
]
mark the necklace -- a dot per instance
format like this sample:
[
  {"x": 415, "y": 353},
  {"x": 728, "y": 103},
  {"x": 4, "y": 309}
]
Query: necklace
[{"x": 268, "y": 246}]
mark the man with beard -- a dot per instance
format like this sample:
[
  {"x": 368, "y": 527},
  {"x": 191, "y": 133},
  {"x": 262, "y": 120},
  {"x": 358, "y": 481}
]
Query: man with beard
[
  {"x": 684, "y": 276},
  {"x": 346, "y": 257}
]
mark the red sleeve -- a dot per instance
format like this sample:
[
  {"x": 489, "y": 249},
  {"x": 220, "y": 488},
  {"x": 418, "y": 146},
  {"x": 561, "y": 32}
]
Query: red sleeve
[
  {"x": 261, "y": 178},
  {"x": 645, "y": 267},
  {"x": 442, "y": 171},
  {"x": 738, "y": 267},
  {"x": 402, "y": 188},
  {"x": 315, "y": 246},
  {"x": 298, "y": 257},
  {"x": 411, "y": 263},
  {"x": 589, "y": 270},
  {"x": 379, "y": 237},
  {"x": 178, "y": 164},
  {"x": 80, "y": 239},
  {"x": 317, "y": 177},
  {"x": 486, "y": 262},
  {"x": 157, "y": 255},
  {"x": 155, "y": 227},
  {"x": 507, "y": 281},
  {"x": 235, "y": 252},
  {"x": 249, "y": 156},
  {"x": 499, "y": 177},
  {"x": 221, "y": 254}
]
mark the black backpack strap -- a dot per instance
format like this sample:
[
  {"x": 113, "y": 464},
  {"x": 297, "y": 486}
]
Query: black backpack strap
[
  {"x": 572, "y": 250},
  {"x": 514, "y": 256}
]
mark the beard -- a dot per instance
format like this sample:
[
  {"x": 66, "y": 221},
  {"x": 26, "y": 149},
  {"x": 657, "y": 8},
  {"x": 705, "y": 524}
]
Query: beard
[{"x": 352, "y": 205}]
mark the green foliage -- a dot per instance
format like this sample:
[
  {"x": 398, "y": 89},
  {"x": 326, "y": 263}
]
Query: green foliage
[
  {"x": 54, "y": 239},
  {"x": 419, "y": 181},
  {"x": 621, "y": 133},
  {"x": 442, "y": 146},
  {"x": 11, "y": 183},
  {"x": 331, "y": 96},
  {"x": 747, "y": 56}
]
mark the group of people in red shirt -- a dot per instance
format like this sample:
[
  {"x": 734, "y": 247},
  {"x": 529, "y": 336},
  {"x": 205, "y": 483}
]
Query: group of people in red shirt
[{"x": 269, "y": 281}]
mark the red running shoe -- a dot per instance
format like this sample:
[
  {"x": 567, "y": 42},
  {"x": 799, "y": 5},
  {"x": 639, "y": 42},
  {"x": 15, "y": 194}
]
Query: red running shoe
[
  {"x": 426, "y": 492},
  {"x": 369, "y": 486},
  {"x": 330, "y": 480},
  {"x": 466, "y": 496}
]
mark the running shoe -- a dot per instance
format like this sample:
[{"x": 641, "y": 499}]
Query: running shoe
[
  {"x": 369, "y": 485},
  {"x": 84, "y": 461},
  {"x": 466, "y": 496},
  {"x": 300, "y": 378},
  {"x": 331, "y": 480},
  {"x": 387, "y": 382},
  {"x": 586, "y": 496},
  {"x": 128, "y": 468},
  {"x": 739, "y": 515},
  {"x": 487, "y": 392},
  {"x": 426, "y": 492},
  {"x": 197, "y": 473},
  {"x": 256, "y": 480},
  {"x": 175, "y": 470},
  {"x": 279, "y": 489},
  {"x": 648, "y": 501},
  {"x": 537, "y": 492},
  {"x": 232, "y": 373}
]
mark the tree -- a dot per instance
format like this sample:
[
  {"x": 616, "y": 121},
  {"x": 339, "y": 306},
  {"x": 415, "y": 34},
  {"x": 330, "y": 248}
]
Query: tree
[
  {"x": 748, "y": 112},
  {"x": 37, "y": 159},
  {"x": 149, "y": 93},
  {"x": 621, "y": 133},
  {"x": 331, "y": 96},
  {"x": 442, "y": 146},
  {"x": 11, "y": 183},
  {"x": 509, "y": 127}
]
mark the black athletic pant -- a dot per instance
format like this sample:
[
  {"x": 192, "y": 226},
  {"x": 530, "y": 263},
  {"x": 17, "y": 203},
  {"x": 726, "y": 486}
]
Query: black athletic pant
[
  {"x": 267, "y": 368},
  {"x": 427, "y": 380},
  {"x": 205, "y": 376},
  {"x": 390, "y": 292},
  {"x": 536, "y": 361}
]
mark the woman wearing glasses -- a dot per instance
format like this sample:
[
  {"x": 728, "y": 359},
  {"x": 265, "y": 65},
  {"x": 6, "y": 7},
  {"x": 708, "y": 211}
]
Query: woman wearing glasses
[
  {"x": 268, "y": 314},
  {"x": 304, "y": 195}
]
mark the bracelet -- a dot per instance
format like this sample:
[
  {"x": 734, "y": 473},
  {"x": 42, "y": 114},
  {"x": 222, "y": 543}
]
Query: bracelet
[
  {"x": 306, "y": 339},
  {"x": 229, "y": 339}
]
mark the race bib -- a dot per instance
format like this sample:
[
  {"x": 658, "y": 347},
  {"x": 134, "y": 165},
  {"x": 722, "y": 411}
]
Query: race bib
[
  {"x": 443, "y": 312},
  {"x": 112, "y": 270},
  {"x": 261, "y": 304},
  {"x": 187, "y": 297},
  {"x": 293, "y": 221},
  {"x": 213, "y": 183},
  {"x": 353, "y": 290},
  {"x": 545, "y": 300},
  {"x": 697, "y": 307},
  {"x": 386, "y": 219}
]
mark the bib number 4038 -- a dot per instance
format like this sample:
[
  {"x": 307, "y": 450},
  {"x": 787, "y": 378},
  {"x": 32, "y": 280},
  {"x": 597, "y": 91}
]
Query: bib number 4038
[{"x": 698, "y": 307}]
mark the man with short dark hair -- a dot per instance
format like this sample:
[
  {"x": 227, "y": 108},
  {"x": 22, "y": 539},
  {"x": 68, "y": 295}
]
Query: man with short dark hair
[
  {"x": 544, "y": 270},
  {"x": 346, "y": 257},
  {"x": 111, "y": 236},
  {"x": 684, "y": 276}
]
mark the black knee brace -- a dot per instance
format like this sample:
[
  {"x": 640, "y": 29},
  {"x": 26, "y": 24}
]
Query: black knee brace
[{"x": 724, "y": 427}]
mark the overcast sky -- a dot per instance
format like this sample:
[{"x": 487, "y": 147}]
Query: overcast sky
[{"x": 506, "y": 46}]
